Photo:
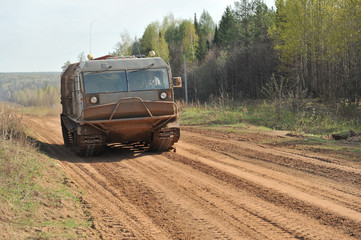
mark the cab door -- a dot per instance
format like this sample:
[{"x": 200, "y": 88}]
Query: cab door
[{"x": 77, "y": 97}]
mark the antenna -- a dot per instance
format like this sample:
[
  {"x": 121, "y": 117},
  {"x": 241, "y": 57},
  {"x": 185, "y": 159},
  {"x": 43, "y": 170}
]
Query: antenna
[
  {"x": 90, "y": 36},
  {"x": 138, "y": 50}
]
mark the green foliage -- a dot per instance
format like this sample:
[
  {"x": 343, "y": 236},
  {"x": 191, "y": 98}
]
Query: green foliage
[
  {"x": 313, "y": 45},
  {"x": 207, "y": 26},
  {"x": 154, "y": 39},
  {"x": 189, "y": 39},
  {"x": 318, "y": 41},
  {"x": 228, "y": 32},
  {"x": 242, "y": 58},
  {"x": 201, "y": 49},
  {"x": 261, "y": 21},
  {"x": 204, "y": 30},
  {"x": 217, "y": 38},
  {"x": 172, "y": 31}
]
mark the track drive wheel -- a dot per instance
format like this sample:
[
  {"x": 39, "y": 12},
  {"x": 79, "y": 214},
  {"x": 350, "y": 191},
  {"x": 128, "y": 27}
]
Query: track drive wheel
[
  {"x": 88, "y": 147},
  {"x": 164, "y": 140}
]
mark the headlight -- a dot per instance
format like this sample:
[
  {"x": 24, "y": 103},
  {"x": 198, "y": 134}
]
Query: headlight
[
  {"x": 94, "y": 100},
  {"x": 163, "y": 95}
]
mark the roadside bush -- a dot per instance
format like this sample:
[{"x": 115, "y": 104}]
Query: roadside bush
[{"x": 10, "y": 124}]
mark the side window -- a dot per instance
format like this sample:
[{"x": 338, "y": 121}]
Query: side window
[{"x": 164, "y": 78}]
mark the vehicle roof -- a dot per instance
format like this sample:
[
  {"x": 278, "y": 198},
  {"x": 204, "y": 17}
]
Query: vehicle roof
[{"x": 122, "y": 64}]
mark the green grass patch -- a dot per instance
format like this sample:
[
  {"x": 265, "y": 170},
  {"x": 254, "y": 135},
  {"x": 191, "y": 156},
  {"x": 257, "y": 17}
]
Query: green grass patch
[
  {"x": 265, "y": 115},
  {"x": 313, "y": 125},
  {"x": 32, "y": 194},
  {"x": 204, "y": 116},
  {"x": 18, "y": 168},
  {"x": 35, "y": 200},
  {"x": 357, "y": 150}
]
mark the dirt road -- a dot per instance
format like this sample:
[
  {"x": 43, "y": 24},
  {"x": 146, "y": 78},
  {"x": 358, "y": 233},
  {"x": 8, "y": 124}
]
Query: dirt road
[{"x": 215, "y": 186}]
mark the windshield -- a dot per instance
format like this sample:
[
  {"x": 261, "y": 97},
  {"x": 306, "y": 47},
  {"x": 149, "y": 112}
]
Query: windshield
[
  {"x": 105, "y": 82},
  {"x": 148, "y": 79},
  {"x": 118, "y": 81}
]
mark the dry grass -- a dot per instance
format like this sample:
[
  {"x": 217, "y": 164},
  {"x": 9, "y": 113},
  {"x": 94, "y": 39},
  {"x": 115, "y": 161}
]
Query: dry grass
[
  {"x": 10, "y": 124},
  {"x": 35, "y": 200},
  {"x": 41, "y": 111}
]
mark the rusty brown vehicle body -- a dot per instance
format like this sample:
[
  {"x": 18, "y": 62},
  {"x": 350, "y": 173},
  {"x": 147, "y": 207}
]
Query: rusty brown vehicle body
[{"x": 110, "y": 100}]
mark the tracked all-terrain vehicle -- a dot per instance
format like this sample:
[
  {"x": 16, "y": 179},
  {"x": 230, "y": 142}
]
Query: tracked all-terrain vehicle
[{"x": 119, "y": 100}]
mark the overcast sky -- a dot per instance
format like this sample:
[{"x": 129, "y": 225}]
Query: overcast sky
[{"x": 41, "y": 35}]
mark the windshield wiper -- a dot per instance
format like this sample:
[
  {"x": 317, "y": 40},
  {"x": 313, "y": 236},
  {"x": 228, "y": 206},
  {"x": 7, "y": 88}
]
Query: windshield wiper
[
  {"x": 100, "y": 71},
  {"x": 142, "y": 69}
]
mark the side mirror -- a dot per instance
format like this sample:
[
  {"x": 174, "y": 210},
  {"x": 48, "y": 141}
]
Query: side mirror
[{"x": 177, "y": 82}]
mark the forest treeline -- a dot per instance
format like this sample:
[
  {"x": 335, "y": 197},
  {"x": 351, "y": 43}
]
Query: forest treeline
[
  {"x": 303, "y": 48},
  {"x": 30, "y": 89},
  {"x": 300, "y": 49}
]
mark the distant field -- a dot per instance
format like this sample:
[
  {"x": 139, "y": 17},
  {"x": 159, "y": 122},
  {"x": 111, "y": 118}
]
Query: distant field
[
  {"x": 11, "y": 78},
  {"x": 30, "y": 89},
  {"x": 11, "y": 82}
]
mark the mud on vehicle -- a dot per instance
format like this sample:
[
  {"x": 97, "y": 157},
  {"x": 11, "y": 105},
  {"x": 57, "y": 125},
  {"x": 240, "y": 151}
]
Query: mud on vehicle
[{"x": 119, "y": 100}]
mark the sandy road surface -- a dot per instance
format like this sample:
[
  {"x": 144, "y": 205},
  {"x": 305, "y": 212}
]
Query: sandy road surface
[{"x": 213, "y": 187}]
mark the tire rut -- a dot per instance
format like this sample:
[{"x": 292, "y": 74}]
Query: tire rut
[
  {"x": 317, "y": 187},
  {"x": 324, "y": 216},
  {"x": 212, "y": 188},
  {"x": 317, "y": 167}
]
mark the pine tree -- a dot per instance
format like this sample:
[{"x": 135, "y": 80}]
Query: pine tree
[
  {"x": 228, "y": 30},
  {"x": 195, "y": 22},
  {"x": 201, "y": 50},
  {"x": 216, "y": 39}
]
